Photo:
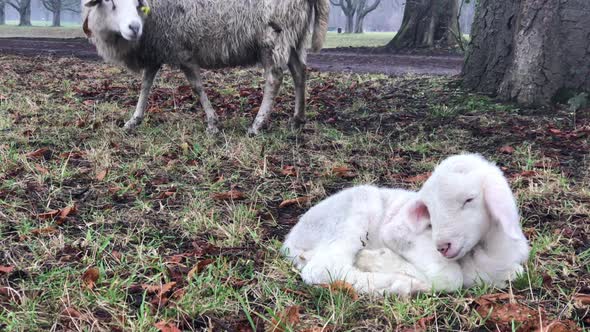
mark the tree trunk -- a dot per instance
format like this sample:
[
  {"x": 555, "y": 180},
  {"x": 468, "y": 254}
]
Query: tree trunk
[
  {"x": 358, "y": 27},
  {"x": 349, "y": 23},
  {"x": 2, "y": 12},
  {"x": 427, "y": 23},
  {"x": 25, "y": 13},
  {"x": 530, "y": 51},
  {"x": 56, "y": 17}
]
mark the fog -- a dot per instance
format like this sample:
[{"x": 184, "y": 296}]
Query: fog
[{"x": 387, "y": 17}]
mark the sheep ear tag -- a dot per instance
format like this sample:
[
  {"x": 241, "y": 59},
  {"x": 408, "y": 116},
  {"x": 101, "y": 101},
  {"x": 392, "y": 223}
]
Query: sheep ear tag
[
  {"x": 145, "y": 10},
  {"x": 85, "y": 28}
]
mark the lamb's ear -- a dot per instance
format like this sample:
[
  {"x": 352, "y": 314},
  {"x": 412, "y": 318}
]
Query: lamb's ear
[
  {"x": 92, "y": 3},
  {"x": 419, "y": 217},
  {"x": 501, "y": 204}
]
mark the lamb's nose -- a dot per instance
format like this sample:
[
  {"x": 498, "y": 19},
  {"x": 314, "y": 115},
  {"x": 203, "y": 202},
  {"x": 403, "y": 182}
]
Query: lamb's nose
[
  {"x": 443, "y": 248},
  {"x": 135, "y": 28}
]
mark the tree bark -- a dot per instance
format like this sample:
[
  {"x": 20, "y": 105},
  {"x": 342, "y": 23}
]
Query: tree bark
[
  {"x": 25, "y": 14},
  {"x": 533, "y": 52},
  {"x": 348, "y": 9},
  {"x": 2, "y": 12},
  {"x": 427, "y": 23},
  {"x": 363, "y": 9}
]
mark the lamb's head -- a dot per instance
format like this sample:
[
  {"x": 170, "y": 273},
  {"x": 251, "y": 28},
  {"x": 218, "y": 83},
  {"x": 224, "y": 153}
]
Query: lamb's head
[
  {"x": 466, "y": 196},
  {"x": 123, "y": 18}
]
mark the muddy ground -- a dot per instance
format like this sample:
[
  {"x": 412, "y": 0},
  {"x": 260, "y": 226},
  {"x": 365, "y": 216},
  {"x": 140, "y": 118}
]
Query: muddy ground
[{"x": 330, "y": 60}]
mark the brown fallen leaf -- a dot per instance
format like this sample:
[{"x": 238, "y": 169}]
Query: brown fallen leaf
[
  {"x": 418, "y": 178},
  {"x": 289, "y": 318},
  {"x": 37, "y": 153},
  {"x": 6, "y": 268},
  {"x": 583, "y": 299},
  {"x": 507, "y": 149},
  {"x": 90, "y": 277},
  {"x": 502, "y": 317},
  {"x": 299, "y": 200},
  {"x": 289, "y": 171},
  {"x": 102, "y": 174},
  {"x": 166, "y": 327},
  {"x": 41, "y": 169},
  {"x": 344, "y": 172},
  {"x": 46, "y": 230},
  {"x": 233, "y": 194},
  {"x": 561, "y": 326},
  {"x": 71, "y": 312},
  {"x": 199, "y": 267},
  {"x": 343, "y": 287},
  {"x": 65, "y": 212},
  {"x": 48, "y": 215},
  {"x": 159, "y": 289}
]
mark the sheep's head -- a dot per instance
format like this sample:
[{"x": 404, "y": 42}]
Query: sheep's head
[
  {"x": 119, "y": 17},
  {"x": 465, "y": 196}
]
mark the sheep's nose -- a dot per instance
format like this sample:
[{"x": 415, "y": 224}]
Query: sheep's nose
[
  {"x": 135, "y": 28},
  {"x": 443, "y": 248}
]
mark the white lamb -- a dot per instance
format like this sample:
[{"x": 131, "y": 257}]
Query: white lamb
[{"x": 384, "y": 231}]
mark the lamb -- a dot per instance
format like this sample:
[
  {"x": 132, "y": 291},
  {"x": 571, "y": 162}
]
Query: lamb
[
  {"x": 370, "y": 225},
  {"x": 475, "y": 220},
  {"x": 209, "y": 34}
]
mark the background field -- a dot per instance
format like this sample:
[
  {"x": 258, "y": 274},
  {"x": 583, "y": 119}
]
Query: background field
[{"x": 103, "y": 230}]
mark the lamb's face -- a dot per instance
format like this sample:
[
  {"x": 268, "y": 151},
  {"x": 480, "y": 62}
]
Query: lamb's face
[
  {"x": 120, "y": 17},
  {"x": 459, "y": 204}
]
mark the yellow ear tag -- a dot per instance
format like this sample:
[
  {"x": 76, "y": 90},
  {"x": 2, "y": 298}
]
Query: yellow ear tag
[{"x": 146, "y": 10}]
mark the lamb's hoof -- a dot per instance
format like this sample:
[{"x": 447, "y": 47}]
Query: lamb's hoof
[{"x": 212, "y": 130}]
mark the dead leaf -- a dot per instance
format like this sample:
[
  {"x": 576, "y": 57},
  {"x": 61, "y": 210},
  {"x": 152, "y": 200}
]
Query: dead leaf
[
  {"x": 38, "y": 153},
  {"x": 343, "y": 287},
  {"x": 344, "y": 172},
  {"x": 502, "y": 316},
  {"x": 71, "y": 312},
  {"x": 159, "y": 289},
  {"x": 199, "y": 267},
  {"x": 561, "y": 326},
  {"x": 289, "y": 171},
  {"x": 418, "y": 178},
  {"x": 290, "y": 317},
  {"x": 166, "y": 327},
  {"x": 583, "y": 299},
  {"x": 233, "y": 194},
  {"x": 90, "y": 277},
  {"x": 48, "y": 215},
  {"x": 41, "y": 169},
  {"x": 6, "y": 268},
  {"x": 67, "y": 211},
  {"x": 46, "y": 230},
  {"x": 102, "y": 174},
  {"x": 299, "y": 201},
  {"x": 507, "y": 149}
]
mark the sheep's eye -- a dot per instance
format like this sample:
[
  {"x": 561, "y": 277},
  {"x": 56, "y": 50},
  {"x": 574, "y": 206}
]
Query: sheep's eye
[{"x": 467, "y": 201}]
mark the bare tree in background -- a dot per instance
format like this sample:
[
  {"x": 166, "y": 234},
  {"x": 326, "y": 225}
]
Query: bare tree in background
[
  {"x": 2, "y": 12},
  {"x": 23, "y": 7},
  {"x": 530, "y": 51},
  {"x": 427, "y": 23},
  {"x": 362, "y": 10},
  {"x": 56, "y": 7},
  {"x": 349, "y": 9}
]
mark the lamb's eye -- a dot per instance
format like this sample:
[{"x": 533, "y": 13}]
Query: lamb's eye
[{"x": 467, "y": 201}]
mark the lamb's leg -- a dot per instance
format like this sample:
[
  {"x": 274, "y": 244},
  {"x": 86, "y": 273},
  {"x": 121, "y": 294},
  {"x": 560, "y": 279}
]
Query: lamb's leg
[
  {"x": 193, "y": 75},
  {"x": 149, "y": 74},
  {"x": 274, "y": 78},
  {"x": 297, "y": 69}
]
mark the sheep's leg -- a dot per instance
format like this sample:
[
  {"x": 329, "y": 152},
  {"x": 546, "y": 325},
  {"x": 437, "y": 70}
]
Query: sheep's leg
[
  {"x": 297, "y": 69},
  {"x": 149, "y": 74},
  {"x": 274, "y": 78},
  {"x": 193, "y": 75}
]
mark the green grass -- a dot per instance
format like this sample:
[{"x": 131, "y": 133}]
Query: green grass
[
  {"x": 41, "y": 29},
  {"x": 153, "y": 217},
  {"x": 367, "y": 39}
]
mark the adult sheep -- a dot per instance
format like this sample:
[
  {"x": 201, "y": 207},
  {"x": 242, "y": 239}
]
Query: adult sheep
[{"x": 198, "y": 34}]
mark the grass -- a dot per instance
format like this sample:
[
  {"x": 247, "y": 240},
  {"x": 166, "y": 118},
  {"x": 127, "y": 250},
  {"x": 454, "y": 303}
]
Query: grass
[
  {"x": 167, "y": 250},
  {"x": 41, "y": 29},
  {"x": 367, "y": 39}
]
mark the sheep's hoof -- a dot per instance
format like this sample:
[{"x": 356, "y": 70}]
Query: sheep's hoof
[
  {"x": 296, "y": 123},
  {"x": 253, "y": 132},
  {"x": 212, "y": 130}
]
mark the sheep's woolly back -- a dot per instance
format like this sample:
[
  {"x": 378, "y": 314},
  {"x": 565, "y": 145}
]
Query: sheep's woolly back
[
  {"x": 214, "y": 33},
  {"x": 322, "y": 13}
]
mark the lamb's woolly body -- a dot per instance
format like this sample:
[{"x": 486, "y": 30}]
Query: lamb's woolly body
[{"x": 214, "y": 33}]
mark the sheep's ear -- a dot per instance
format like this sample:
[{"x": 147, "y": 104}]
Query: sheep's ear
[
  {"x": 92, "y": 3},
  {"x": 501, "y": 204},
  {"x": 419, "y": 216}
]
